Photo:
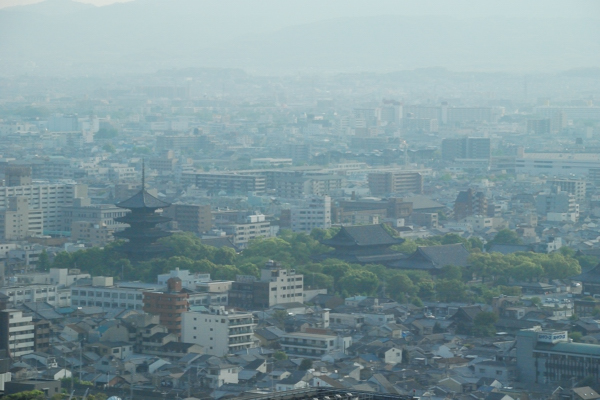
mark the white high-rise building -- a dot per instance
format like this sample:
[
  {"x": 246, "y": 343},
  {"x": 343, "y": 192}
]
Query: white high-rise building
[
  {"x": 17, "y": 331},
  {"x": 220, "y": 332},
  {"x": 317, "y": 214},
  {"x": 50, "y": 198}
]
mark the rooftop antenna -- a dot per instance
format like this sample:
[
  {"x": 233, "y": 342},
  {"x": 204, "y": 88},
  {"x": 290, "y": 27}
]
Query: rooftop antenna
[{"x": 143, "y": 174}]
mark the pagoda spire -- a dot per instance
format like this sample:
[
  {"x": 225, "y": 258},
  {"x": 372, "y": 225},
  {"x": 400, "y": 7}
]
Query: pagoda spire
[{"x": 142, "y": 232}]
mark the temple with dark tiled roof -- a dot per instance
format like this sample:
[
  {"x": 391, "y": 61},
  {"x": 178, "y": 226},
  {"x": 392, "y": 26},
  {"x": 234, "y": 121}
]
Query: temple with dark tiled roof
[
  {"x": 363, "y": 244},
  {"x": 143, "y": 219},
  {"x": 433, "y": 258},
  {"x": 590, "y": 281}
]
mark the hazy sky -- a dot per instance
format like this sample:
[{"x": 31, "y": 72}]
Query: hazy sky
[
  {"x": 457, "y": 8},
  {"x": 9, "y": 3}
]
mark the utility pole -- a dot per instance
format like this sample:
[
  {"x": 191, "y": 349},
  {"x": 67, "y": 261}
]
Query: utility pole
[
  {"x": 80, "y": 359},
  {"x": 132, "y": 382}
]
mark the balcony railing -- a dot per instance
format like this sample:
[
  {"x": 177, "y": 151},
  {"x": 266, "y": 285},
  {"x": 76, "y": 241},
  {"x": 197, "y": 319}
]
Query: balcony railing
[
  {"x": 300, "y": 344},
  {"x": 233, "y": 332},
  {"x": 239, "y": 322}
]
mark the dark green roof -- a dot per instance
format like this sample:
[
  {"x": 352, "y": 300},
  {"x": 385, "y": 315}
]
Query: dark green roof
[
  {"x": 362, "y": 235},
  {"x": 591, "y": 276},
  {"x": 142, "y": 199}
]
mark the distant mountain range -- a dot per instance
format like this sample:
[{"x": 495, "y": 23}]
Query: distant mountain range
[{"x": 146, "y": 35}]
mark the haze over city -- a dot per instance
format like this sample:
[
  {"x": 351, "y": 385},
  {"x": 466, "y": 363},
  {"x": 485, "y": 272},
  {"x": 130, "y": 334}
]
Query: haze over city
[{"x": 300, "y": 199}]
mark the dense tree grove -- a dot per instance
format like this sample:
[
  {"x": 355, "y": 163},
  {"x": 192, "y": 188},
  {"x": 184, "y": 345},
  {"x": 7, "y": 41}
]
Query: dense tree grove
[{"x": 489, "y": 274}]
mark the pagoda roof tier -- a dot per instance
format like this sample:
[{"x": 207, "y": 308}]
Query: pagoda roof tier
[
  {"x": 362, "y": 236},
  {"x": 132, "y": 218},
  {"x": 143, "y": 199},
  {"x": 147, "y": 234}
]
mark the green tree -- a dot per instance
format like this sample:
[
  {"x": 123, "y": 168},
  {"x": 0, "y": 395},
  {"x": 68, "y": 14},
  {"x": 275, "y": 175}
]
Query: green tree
[
  {"x": 450, "y": 290},
  {"x": 280, "y": 316},
  {"x": 452, "y": 272},
  {"x": 317, "y": 280},
  {"x": 567, "y": 251},
  {"x": 224, "y": 255},
  {"x": 63, "y": 260},
  {"x": 306, "y": 364},
  {"x": 399, "y": 285},
  {"x": 415, "y": 301},
  {"x": 249, "y": 269},
  {"x": 504, "y": 236},
  {"x": 557, "y": 266},
  {"x": 225, "y": 272},
  {"x": 526, "y": 271},
  {"x": 475, "y": 243},
  {"x": 336, "y": 269},
  {"x": 109, "y": 148},
  {"x": 27, "y": 395},
  {"x": 576, "y": 336},
  {"x": 488, "y": 265},
  {"x": 587, "y": 262},
  {"x": 408, "y": 247},
  {"x": 453, "y": 238},
  {"x": 483, "y": 324},
  {"x": 43, "y": 261},
  {"x": 426, "y": 290},
  {"x": 358, "y": 282},
  {"x": 280, "y": 355}
]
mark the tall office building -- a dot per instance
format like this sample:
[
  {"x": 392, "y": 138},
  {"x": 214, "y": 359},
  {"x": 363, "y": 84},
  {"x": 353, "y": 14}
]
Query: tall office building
[
  {"x": 471, "y": 148},
  {"x": 18, "y": 221},
  {"x": 194, "y": 218},
  {"x": 17, "y": 175},
  {"x": 49, "y": 198},
  {"x": 576, "y": 187},
  {"x": 469, "y": 202},
  {"x": 276, "y": 285},
  {"x": 384, "y": 183},
  {"x": 317, "y": 214}
]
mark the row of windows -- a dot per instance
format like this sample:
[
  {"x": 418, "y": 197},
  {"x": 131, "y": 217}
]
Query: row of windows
[
  {"x": 106, "y": 304},
  {"x": 114, "y": 295}
]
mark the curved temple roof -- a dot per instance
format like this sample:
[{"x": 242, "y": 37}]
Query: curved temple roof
[{"x": 142, "y": 199}]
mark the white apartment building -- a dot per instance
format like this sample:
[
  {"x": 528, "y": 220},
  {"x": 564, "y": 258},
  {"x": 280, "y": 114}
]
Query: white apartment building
[
  {"x": 255, "y": 227},
  {"x": 317, "y": 214},
  {"x": 285, "y": 286},
  {"x": 51, "y": 294},
  {"x": 47, "y": 197},
  {"x": 557, "y": 164},
  {"x": 312, "y": 345},
  {"x": 102, "y": 292},
  {"x": 353, "y": 320},
  {"x": 18, "y": 221},
  {"x": 219, "y": 332},
  {"x": 56, "y": 276},
  {"x": 18, "y": 332}
]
